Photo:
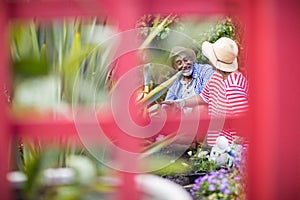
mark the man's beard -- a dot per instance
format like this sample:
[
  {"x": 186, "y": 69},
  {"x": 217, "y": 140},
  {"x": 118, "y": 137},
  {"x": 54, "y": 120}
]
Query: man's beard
[{"x": 188, "y": 70}]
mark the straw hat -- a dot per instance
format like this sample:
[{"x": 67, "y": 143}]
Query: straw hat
[
  {"x": 222, "y": 54},
  {"x": 177, "y": 50}
]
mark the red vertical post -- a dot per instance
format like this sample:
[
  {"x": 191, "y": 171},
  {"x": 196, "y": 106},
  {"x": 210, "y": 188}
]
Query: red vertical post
[
  {"x": 5, "y": 124},
  {"x": 126, "y": 14},
  {"x": 288, "y": 108},
  {"x": 273, "y": 38},
  {"x": 263, "y": 80}
]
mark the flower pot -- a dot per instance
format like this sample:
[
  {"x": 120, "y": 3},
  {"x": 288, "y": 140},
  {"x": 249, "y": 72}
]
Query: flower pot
[{"x": 192, "y": 177}]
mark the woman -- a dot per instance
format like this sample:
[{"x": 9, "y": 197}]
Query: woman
[{"x": 226, "y": 94}]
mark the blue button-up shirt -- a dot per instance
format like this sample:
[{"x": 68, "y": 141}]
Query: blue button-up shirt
[{"x": 200, "y": 77}]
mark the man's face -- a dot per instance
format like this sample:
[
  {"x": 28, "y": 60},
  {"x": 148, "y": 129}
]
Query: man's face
[{"x": 184, "y": 63}]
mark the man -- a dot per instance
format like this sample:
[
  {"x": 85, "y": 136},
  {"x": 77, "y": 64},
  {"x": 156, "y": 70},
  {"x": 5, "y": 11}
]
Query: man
[
  {"x": 193, "y": 79},
  {"x": 194, "y": 76},
  {"x": 226, "y": 94}
]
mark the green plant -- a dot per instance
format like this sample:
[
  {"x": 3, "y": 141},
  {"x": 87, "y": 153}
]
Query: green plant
[
  {"x": 153, "y": 29},
  {"x": 161, "y": 24},
  {"x": 157, "y": 92},
  {"x": 162, "y": 152},
  {"x": 61, "y": 49},
  {"x": 222, "y": 184},
  {"x": 76, "y": 180},
  {"x": 200, "y": 162},
  {"x": 226, "y": 27},
  {"x": 56, "y": 63}
]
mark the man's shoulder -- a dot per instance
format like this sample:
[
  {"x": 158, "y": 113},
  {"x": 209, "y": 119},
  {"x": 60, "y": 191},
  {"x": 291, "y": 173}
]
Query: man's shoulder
[
  {"x": 176, "y": 82},
  {"x": 201, "y": 67},
  {"x": 202, "y": 70}
]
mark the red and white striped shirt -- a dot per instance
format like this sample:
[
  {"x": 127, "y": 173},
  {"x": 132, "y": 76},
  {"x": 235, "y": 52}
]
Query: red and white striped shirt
[{"x": 227, "y": 97}]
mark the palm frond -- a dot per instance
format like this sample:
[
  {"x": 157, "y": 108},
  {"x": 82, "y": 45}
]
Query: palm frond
[
  {"x": 154, "y": 33},
  {"x": 159, "y": 90},
  {"x": 158, "y": 145}
]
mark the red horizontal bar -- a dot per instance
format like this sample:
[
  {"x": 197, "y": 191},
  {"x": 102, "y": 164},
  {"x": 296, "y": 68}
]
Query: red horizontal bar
[
  {"x": 46, "y": 128},
  {"x": 199, "y": 7},
  {"x": 56, "y": 9},
  {"x": 59, "y": 8}
]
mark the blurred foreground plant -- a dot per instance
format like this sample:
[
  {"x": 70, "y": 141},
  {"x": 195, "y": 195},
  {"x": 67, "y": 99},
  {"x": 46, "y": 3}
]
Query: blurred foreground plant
[
  {"x": 66, "y": 51},
  {"x": 77, "y": 178}
]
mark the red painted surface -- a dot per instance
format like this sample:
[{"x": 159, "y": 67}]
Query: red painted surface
[
  {"x": 288, "y": 130},
  {"x": 262, "y": 78},
  {"x": 55, "y": 9},
  {"x": 5, "y": 123},
  {"x": 197, "y": 7},
  {"x": 273, "y": 38}
]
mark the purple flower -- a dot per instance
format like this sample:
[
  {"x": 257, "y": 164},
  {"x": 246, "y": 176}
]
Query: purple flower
[
  {"x": 218, "y": 183},
  {"x": 211, "y": 188},
  {"x": 198, "y": 180},
  {"x": 205, "y": 177},
  {"x": 221, "y": 176},
  {"x": 213, "y": 173},
  {"x": 223, "y": 187},
  {"x": 226, "y": 191},
  {"x": 224, "y": 180},
  {"x": 196, "y": 187},
  {"x": 214, "y": 181},
  {"x": 210, "y": 178}
]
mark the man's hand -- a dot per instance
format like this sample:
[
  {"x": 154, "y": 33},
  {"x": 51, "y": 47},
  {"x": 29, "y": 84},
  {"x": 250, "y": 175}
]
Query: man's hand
[
  {"x": 155, "y": 110},
  {"x": 179, "y": 103}
]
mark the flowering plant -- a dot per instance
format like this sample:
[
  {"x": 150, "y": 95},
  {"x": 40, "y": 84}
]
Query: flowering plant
[
  {"x": 220, "y": 184},
  {"x": 148, "y": 23},
  {"x": 200, "y": 162}
]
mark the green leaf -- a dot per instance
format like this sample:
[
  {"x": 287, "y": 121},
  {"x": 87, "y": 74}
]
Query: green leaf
[
  {"x": 158, "y": 145},
  {"x": 31, "y": 67},
  {"x": 154, "y": 32},
  {"x": 159, "y": 90}
]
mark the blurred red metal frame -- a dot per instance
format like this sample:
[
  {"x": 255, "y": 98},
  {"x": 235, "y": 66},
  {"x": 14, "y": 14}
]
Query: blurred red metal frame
[{"x": 273, "y": 173}]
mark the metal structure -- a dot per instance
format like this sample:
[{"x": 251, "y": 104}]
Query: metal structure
[{"x": 273, "y": 44}]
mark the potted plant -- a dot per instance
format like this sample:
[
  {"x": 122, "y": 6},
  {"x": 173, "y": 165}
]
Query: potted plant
[{"x": 221, "y": 184}]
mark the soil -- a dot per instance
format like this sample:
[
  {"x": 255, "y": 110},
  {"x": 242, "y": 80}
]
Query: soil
[
  {"x": 179, "y": 179},
  {"x": 185, "y": 180}
]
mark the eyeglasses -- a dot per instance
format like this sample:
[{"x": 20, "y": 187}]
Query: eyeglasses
[{"x": 179, "y": 62}]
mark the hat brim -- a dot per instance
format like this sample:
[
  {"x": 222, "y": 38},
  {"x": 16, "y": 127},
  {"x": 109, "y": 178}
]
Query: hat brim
[
  {"x": 207, "y": 50},
  {"x": 190, "y": 53}
]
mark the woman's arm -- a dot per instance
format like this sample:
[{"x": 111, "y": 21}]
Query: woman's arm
[
  {"x": 194, "y": 101},
  {"x": 189, "y": 102}
]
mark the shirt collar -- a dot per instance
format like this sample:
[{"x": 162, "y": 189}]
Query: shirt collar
[{"x": 183, "y": 81}]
